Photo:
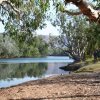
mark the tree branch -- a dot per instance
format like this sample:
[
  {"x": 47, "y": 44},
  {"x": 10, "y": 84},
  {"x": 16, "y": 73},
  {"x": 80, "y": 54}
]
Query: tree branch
[
  {"x": 72, "y": 13},
  {"x": 86, "y": 9},
  {"x": 7, "y": 2},
  {"x": 11, "y": 5}
]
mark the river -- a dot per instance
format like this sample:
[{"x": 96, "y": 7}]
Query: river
[{"x": 19, "y": 70}]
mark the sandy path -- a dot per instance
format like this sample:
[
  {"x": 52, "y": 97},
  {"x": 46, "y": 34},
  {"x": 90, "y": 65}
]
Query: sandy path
[{"x": 64, "y": 87}]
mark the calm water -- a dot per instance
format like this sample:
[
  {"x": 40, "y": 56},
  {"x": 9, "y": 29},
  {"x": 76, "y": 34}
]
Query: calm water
[{"x": 19, "y": 70}]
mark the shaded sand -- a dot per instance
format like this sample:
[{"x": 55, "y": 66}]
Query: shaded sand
[{"x": 63, "y": 87}]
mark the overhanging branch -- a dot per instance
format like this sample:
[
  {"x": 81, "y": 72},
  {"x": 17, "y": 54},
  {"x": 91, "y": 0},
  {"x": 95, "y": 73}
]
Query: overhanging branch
[
  {"x": 11, "y": 5},
  {"x": 72, "y": 13},
  {"x": 86, "y": 9},
  {"x": 7, "y": 2}
]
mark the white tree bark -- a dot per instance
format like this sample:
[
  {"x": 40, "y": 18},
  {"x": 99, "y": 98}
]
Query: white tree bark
[
  {"x": 86, "y": 9},
  {"x": 3, "y": 2}
]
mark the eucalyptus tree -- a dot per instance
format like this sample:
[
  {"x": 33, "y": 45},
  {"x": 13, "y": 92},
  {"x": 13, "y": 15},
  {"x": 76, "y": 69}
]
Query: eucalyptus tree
[
  {"x": 55, "y": 47},
  {"x": 8, "y": 47},
  {"x": 79, "y": 39},
  {"x": 21, "y": 18},
  {"x": 85, "y": 7},
  {"x": 30, "y": 16},
  {"x": 93, "y": 37},
  {"x": 73, "y": 38},
  {"x": 65, "y": 23},
  {"x": 10, "y": 7}
]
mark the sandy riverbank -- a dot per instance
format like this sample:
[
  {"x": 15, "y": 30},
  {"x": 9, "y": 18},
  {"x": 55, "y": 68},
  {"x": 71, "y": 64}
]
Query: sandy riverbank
[{"x": 63, "y": 87}]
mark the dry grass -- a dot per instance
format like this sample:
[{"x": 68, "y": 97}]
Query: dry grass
[{"x": 90, "y": 68}]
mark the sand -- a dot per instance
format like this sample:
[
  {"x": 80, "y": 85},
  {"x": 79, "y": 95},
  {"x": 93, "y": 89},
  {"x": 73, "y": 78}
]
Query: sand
[{"x": 63, "y": 87}]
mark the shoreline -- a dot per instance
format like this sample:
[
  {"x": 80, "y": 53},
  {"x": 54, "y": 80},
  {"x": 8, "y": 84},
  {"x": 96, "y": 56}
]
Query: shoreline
[
  {"x": 62, "y": 87},
  {"x": 72, "y": 66},
  {"x": 73, "y": 86}
]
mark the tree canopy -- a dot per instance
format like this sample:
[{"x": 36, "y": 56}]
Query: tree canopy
[
  {"x": 87, "y": 9},
  {"x": 22, "y": 17},
  {"x": 24, "y": 7}
]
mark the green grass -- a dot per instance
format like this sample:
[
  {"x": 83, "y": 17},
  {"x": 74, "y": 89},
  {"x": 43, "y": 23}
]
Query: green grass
[
  {"x": 90, "y": 68},
  {"x": 89, "y": 60}
]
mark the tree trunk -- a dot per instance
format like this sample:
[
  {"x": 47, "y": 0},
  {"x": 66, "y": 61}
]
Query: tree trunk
[{"x": 86, "y": 9}]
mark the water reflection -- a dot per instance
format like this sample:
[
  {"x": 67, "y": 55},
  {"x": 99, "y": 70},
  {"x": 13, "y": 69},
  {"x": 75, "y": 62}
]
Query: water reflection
[
  {"x": 10, "y": 71},
  {"x": 16, "y": 73}
]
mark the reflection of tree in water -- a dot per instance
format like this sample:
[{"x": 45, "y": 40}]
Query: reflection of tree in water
[{"x": 9, "y": 71}]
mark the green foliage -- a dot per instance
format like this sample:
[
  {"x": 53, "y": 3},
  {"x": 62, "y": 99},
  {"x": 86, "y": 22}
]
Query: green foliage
[
  {"x": 93, "y": 37},
  {"x": 21, "y": 27},
  {"x": 55, "y": 48},
  {"x": 8, "y": 47},
  {"x": 24, "y": 13},
  {"x": 22, "y": 45},
  {"x": 73, "y": 38}
]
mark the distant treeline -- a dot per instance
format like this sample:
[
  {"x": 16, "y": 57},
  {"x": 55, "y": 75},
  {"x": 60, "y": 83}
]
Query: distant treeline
[{"x": 10, "y": 47}]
